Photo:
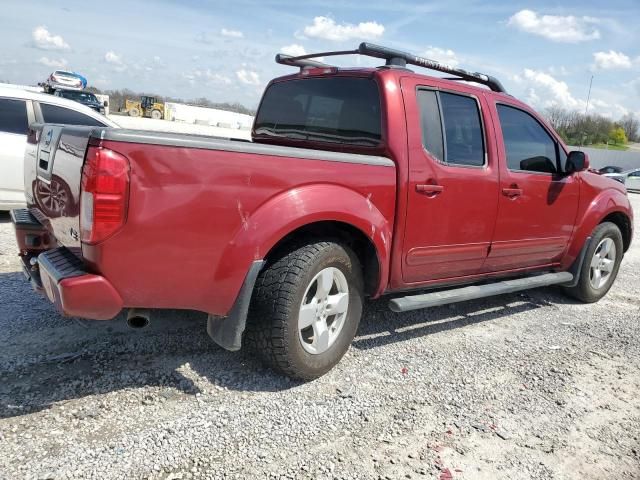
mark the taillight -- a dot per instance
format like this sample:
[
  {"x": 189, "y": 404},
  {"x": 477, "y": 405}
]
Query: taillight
[{"x": 105, "y": 194}]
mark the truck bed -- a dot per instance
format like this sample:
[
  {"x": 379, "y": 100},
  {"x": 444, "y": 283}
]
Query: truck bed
[{"x": 200, "y": 209}]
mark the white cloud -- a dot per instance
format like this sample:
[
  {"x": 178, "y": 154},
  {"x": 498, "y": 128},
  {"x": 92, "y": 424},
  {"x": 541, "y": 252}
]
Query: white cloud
[
  {"x": 294, "y": 50},
  {"x": 116, "y": 62},
  {"x": 247, "y": 76},
  {"x": 206, "y": 76},
  {"x": 44, "y": 40},
  {"x": 327, "y": 29},
  {"x": 231, "y": 33},
  {"x": 441, "y": 55},
  {"x": 611, "y": 60},
  {"x": 568, "y": 29},
  {"x": 561, "y": 70},
  {"x": 217, "y": 78},
  {"x": 112, "y": 57},
  {"x": 52, "y": 62},
  {"x": 543, "y": 90}
]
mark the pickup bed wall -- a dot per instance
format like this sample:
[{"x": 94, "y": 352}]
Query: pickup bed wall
[{"x": 199, "y": 214}]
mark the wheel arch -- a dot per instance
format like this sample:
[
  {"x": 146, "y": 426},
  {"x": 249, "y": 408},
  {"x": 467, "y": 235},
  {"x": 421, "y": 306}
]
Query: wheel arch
[
  {"x": 610, "y": 205},
  {"x": 341, "y": 232},
  {"x": 320, "y": 210},
  {"x": 623, "y": 222}
]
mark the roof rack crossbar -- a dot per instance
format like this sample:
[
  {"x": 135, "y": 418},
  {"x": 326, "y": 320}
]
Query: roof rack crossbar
[
  {"x": 395, "y": 58},
  {"x": 390, "y": 54},
  {"x": 303, "y": 61}
]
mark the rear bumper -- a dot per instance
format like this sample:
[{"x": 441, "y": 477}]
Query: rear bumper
[
  {"x": 61, "y": 275},
  {"x": 74, "y": 291}
]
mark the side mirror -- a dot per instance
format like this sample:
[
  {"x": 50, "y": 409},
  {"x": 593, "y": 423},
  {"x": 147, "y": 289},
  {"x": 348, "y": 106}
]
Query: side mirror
[
  {"x": 577, "y": 162},
  {"x": 105, "y": 103}
]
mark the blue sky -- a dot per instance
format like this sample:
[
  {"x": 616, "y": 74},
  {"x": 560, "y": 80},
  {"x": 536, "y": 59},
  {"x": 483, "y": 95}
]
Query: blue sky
[{"x": 544, "y": 52}]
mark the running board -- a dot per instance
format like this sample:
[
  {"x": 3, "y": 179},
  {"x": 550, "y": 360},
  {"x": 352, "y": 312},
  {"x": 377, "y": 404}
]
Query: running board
[{"x": 444, "y": 297}]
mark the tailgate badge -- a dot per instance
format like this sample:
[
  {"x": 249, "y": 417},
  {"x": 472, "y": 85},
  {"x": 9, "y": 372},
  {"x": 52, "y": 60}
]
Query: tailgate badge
[
  {"x": 48, "y": 137},
  {"x": 73, "y": 233}
]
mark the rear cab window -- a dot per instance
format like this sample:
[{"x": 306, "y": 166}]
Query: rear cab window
[
  {"x": 13, "y": 116},
  {"x": 452, "y": 129},
  {"x": 333, "y": 110}
]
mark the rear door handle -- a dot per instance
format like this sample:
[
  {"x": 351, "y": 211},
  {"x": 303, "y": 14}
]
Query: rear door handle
[
  {"x": 429, "y": 189},
  {"x": 512, "y": 192}
]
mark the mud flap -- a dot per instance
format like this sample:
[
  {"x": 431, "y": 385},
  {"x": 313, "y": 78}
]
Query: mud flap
[{"x": 227, "y": 331}]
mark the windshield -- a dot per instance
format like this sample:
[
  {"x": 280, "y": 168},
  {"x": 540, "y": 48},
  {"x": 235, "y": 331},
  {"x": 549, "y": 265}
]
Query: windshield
[
  {"x": 337, "y": 110},
  {"x": 80, "y": 96}
]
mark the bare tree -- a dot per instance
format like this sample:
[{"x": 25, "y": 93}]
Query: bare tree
[{"x": 631, "y": 126}]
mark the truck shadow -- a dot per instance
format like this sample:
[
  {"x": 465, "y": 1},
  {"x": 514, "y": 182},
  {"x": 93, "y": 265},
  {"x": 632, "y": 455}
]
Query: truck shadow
[
  {"x": 380, "y": 326},
  {"x": 47, "y": 359}
]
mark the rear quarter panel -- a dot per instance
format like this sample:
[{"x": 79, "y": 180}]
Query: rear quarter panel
[{"x": 197, "y": 218}]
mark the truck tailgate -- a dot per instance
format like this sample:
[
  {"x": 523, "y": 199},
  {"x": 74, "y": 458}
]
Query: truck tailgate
[{"x": 53, "y": 170}]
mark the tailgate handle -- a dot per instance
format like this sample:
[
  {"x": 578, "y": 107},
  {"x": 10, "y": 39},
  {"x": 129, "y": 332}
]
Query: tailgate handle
[{"x": 430, "y": 190}]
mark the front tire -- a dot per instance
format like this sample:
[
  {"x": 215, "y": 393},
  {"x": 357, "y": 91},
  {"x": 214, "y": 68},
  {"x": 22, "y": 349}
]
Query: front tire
[
  {"x": 306, "y": 308},
  {"x": 600, "y": 264}
]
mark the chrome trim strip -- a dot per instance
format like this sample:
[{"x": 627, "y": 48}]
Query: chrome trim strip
[{"x": 239, "y": 146}]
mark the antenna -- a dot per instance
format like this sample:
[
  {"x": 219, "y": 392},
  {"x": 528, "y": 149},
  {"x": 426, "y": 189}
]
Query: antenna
[
  {"x": 588, "y": 96},
  {"x": 393, "y": 59}
]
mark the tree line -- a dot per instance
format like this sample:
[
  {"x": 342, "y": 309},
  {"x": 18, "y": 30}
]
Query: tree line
[
  {"x": 118, "y": 97},
  {"x": 577, "y": 128}
]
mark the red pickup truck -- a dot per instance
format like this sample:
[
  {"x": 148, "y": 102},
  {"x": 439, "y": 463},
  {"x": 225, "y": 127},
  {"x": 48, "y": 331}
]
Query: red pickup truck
[{"x": 357, "y": 183}]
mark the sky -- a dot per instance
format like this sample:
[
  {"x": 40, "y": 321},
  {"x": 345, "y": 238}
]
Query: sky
[{"x": 544, "y": 52}]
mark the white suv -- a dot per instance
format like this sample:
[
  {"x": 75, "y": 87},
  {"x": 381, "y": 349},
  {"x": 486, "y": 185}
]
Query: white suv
[{"x": 18, "y": 109}]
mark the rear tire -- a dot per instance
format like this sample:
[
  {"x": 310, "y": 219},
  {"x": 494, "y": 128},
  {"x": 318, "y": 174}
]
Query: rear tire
[
  {"x": 306, "y": 308},
  {"x": 600, "y": 264}
]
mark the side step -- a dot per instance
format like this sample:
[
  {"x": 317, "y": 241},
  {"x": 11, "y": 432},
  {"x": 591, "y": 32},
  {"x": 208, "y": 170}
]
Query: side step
[{"x": 444, "y": 297}]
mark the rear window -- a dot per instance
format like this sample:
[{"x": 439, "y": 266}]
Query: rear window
[
  {"x": 334, "y": 110},
  {"x": 462, "y": 141}
]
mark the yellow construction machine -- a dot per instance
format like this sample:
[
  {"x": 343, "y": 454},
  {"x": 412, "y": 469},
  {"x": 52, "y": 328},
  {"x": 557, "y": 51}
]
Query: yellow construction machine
[{"x": 145, "y": 107}]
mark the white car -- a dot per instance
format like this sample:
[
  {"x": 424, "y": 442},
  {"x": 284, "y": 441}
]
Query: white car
[
  {"x": 630, "y": 178},
  {"x": 18, "y": 109},
  {"x": 65, "y": 80}
]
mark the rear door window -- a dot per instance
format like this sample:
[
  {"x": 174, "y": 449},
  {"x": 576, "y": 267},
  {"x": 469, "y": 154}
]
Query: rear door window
[
  {"x": 452, "y": 128},
  {"x": 13, "y": 116},
  {"x": 66, "y": 116}
]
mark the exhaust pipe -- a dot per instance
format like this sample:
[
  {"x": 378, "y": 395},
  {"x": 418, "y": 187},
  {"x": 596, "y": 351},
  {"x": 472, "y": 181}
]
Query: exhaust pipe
[{"x": 138, "y": 318}]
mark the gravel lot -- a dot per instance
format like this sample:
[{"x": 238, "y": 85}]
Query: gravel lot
[{"x": 515, "y": 387}]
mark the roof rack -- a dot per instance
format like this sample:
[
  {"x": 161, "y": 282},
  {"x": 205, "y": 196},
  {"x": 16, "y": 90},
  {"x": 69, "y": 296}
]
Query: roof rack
[{"x": 393, "y": 58}]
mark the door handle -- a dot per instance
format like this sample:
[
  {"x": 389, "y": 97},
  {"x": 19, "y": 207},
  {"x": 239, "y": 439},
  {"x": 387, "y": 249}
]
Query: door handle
[
  {"x": 430, "y": 190},
  {"x": 512, "y": 192}
]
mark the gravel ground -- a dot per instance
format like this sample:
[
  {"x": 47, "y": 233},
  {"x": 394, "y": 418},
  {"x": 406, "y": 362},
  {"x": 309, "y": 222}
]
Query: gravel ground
[{"x": 515, "y": 387}]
